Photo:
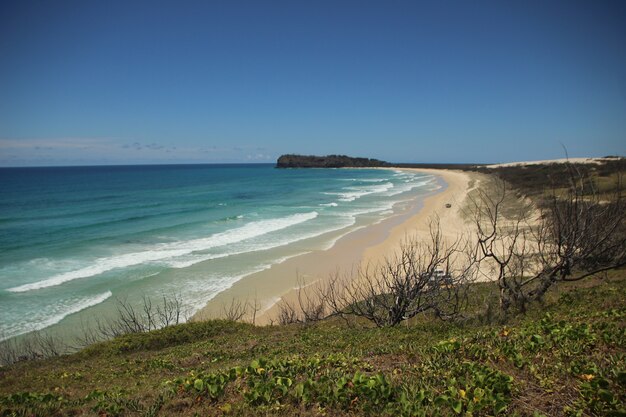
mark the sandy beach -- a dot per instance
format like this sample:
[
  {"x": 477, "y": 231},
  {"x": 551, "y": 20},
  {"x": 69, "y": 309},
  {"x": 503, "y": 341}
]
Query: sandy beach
[
  {"x": 459, "y": 184},
  {"x": 367, "y": 245}
]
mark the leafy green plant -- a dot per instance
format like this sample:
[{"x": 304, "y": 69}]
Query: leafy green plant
[
  {"x": 32, "y": 404},
  {"x": 112, "y": 403}
]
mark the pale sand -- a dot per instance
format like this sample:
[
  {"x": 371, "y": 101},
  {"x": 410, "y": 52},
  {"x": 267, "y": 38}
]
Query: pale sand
[
  {"x": 367, "y": 245},
  {"x": 554, "y": 161}
]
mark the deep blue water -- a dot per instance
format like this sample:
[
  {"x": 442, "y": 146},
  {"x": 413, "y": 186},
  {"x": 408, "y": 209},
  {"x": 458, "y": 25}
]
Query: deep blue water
[{"x": 72, "y": 238}]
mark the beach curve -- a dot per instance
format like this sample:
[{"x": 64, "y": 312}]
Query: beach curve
[{"x": 367, "y": 245}]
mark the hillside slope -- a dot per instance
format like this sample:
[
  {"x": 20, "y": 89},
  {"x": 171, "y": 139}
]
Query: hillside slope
[{"x": 566, "y": 359}]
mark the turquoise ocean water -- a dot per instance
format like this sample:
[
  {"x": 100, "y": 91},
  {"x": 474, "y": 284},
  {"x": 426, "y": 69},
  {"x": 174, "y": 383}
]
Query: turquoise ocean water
[{"x": 75, "y": 239}]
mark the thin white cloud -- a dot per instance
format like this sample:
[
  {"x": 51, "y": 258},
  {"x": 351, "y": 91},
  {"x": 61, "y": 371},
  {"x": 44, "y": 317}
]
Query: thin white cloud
[
  {"x": 52, "y": 144},
  {"x": 87, "y": 151},
  {"x": 258, "y": 157}
]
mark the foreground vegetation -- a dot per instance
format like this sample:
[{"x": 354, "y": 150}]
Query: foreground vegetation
[{"x": 566, "y": 357}]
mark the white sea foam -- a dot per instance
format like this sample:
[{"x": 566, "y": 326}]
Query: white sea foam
[
  {"x": 248, "y": 231},
  {"x": 329, "y": 204},
  {"x": 381, "y": 208},
  {"x": 347, "y": 222},
  {"x": 353, "y": 193},
  {"x": 100, "y": 266},
  {"x": 55, "y": 317},
  {"x": 192, "y": 259},
  {"x": 329, "y": 244},
  {"x": 372, "y": 189},
  {"x": 172, "y": 250},
  {"x": 365, "y": 179},
  {"x": 407, "y": 187},
  {"x": 202, "y": 292}
]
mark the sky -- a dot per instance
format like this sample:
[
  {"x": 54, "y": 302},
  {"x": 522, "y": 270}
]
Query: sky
[{"x": 143, "y": 82}]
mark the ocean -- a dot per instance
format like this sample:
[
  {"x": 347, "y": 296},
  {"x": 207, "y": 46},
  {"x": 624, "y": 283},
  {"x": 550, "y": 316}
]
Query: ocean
[{"x": 73, "y": 240}]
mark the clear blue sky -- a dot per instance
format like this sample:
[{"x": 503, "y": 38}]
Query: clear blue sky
[{"x": 107, "y": 82}]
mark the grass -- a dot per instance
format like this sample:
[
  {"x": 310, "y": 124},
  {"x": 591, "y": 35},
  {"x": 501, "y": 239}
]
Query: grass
[{"x": 566, "y": 357}]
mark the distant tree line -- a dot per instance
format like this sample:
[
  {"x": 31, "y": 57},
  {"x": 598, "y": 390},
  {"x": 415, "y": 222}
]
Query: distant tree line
[{"x": 329, "y": 161}]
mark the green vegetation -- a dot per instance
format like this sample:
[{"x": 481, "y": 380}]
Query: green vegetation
[
  {"x": 537, "y": 181},
  {"x": 328, "y": 161},
  {"x": 565, "y": 357}
]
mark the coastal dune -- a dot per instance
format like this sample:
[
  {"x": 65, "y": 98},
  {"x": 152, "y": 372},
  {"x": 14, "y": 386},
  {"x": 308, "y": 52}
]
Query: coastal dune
[{"x": 365, "y": 246}]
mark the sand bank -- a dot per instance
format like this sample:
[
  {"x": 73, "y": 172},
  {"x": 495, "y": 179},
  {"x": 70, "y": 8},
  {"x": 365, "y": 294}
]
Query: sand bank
[{"x": 369, "y": 244}]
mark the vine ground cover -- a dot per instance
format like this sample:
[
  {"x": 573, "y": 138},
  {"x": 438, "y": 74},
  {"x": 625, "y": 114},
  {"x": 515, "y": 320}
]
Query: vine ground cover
[{"x": 566, "y": 357}]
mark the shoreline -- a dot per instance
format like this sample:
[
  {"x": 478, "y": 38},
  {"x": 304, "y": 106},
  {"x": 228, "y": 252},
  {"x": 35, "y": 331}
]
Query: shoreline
[
  {"x": 367, "y": 244},
  {"x": 459, "y": 184}
]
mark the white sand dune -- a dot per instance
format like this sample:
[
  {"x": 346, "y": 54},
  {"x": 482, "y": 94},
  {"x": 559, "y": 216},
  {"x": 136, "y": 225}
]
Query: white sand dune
[{"x": 553, "y": 161}]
